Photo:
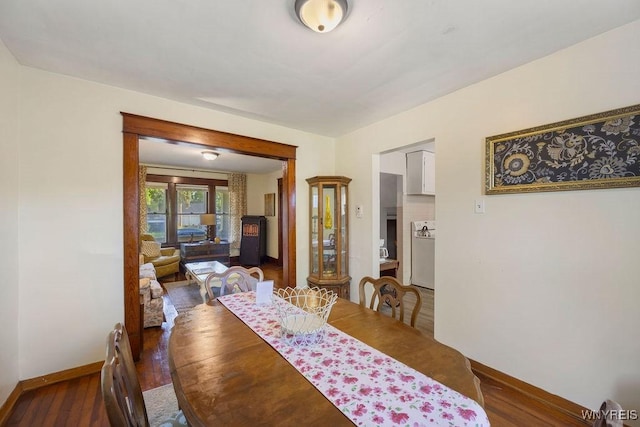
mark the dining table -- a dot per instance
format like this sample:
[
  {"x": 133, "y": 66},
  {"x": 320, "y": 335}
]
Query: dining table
[{"x": 223, "y": 373}]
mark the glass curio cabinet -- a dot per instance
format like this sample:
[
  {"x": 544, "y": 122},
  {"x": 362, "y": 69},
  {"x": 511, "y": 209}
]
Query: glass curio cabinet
[{"x": 329, "y": 234}]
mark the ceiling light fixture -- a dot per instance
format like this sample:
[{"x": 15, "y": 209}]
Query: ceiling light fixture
[
  {"x": 321, "y": 16},
  {"x": 210, "y": 155}
]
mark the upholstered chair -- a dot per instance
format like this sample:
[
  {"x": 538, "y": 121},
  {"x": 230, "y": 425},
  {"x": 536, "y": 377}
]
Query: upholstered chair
[
  {"x": 151, "y": 297},
  {"x": 165, "y": 260}
]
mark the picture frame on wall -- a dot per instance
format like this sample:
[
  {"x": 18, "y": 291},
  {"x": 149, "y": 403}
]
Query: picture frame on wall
[
  {"x": 591, "y": 152},
  {"x": 270, "y": 204}
]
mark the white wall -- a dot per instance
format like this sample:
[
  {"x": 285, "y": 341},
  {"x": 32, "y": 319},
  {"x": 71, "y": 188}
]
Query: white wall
[
  {"x": 257, "y": 186},
  {"x": 70, "y": 240},
  {"x": 543, "y": 286},
  {"x": 9, "y": 221}
]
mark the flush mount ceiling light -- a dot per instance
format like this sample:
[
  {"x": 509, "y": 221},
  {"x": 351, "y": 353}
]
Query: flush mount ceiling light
[
  {"x": 321, "y": 16},
  {"x": 209, "y": 155}
]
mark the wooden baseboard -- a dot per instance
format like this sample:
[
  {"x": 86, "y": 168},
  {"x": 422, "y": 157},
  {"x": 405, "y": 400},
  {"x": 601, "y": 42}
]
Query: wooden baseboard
[
  {"x": 554, "y": 401},
  {"x": 56, "y": 377},
  {"x": 42, "y": 381},
  {"x": 274, "y": 261},
  {"x": 235, "y": 260},
  {"x": 7, "y": 407}
]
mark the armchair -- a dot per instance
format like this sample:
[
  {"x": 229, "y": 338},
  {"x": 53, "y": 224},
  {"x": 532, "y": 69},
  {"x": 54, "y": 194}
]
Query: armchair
[{"x": 165, "y": 260}]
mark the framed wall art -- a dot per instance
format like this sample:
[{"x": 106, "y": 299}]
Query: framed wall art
[
  {"x": 597, "y": 151},
  {"x": 270, "y": 204}
]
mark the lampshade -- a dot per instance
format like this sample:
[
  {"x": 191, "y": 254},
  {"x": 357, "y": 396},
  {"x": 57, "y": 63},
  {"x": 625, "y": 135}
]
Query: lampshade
[
  {"x": 207, "y": 219},
  {"x": 321, "y": 16},
  {"x": 209, "y": 155}
]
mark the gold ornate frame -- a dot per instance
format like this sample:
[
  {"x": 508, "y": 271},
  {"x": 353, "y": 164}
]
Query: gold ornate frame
[{"x": 591, "y": 152}]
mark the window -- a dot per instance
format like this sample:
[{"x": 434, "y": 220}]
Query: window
[
  {"x": 223, "y": 221},
  {"x": 157, "y": 210},
  {"x": 174, "y": 205},
  {"x": 192, "y": 201}
]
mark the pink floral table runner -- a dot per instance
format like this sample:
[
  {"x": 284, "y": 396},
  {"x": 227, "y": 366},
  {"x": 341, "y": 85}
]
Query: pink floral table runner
[{"x": 369, "y": 387}]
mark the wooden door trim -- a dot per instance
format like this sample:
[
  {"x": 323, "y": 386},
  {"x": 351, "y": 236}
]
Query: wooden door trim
[
  {"x": 221, "y": 141},
  {"x": 135, "y": 127},
  {"x": 280, "y": 210}
]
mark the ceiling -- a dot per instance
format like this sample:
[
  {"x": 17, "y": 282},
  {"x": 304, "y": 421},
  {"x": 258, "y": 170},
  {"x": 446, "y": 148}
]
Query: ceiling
[
  {"x": 253, "y": 58},
  {"x": 157, "y": 152}
]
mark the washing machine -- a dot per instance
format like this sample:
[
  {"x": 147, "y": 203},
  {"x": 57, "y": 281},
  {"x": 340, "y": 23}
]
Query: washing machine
[{"x": 423, "y": 250}]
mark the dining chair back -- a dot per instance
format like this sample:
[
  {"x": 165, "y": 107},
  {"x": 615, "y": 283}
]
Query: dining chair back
[
  {"x": 608, "y": 408},
  {"x": 234, "y": 279},
  {"x": 123, "y": 398},
  {"x": 121, "y": 390},
  {"x": 389, "y": 294}
]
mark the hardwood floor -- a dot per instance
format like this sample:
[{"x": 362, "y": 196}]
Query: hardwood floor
[{"x": 79, "y": 403}]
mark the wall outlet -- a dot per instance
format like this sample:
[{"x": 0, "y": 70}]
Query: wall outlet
[
  {"x": 359, "y": 211},
  {"x": 479, "y": 206}
]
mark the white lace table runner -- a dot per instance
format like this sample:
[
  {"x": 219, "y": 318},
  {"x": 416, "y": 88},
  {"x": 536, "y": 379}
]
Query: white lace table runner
[{"x": 369, "y": 387}]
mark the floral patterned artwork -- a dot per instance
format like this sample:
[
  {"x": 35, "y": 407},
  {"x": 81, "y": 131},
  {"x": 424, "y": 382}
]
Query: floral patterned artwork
[
  {"x": 369, "y": 387},
  {"x": 591, "y": 152}
]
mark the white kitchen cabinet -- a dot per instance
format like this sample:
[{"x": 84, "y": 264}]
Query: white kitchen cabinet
[{"x": 421, "y": 176}]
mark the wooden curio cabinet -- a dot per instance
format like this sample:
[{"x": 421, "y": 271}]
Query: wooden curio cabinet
[{"x": 329, "y": 234}]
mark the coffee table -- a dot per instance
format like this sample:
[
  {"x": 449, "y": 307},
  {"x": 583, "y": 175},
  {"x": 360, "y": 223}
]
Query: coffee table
[{"x": 198, "y": 272}]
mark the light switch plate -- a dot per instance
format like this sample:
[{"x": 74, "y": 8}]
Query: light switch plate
[
  {"x": 479, "y": 206},
  {"x": 359, "y": 211}
]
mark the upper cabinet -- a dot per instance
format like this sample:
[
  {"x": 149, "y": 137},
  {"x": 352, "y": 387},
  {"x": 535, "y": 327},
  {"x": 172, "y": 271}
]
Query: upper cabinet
[{"x": 421, "y": 176}]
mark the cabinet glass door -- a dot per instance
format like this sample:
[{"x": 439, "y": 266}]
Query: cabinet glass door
[
  {"x": 344, "y": 209},
  {"x": 329, "y": 231},
  {"x": 315, "y": 230}
]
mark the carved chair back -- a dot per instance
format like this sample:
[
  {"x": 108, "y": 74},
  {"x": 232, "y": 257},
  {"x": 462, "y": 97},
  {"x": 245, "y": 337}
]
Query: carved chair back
[
  {"x": 389, "y": 294},
  {"x": 121, "y": 390},
  {"x": 234, "y": 279}
]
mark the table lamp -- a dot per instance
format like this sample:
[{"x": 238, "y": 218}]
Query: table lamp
[{"x": 208, "y": 220}]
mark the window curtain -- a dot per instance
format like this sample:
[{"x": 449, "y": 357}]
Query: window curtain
[
  {"x": 142, "y": 182},
  {"x": 237, "y": 183}
]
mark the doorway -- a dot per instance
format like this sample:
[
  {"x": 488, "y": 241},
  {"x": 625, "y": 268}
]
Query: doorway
[
  {"x": 408, "y": 208},
  {"x": 137, "y": 127},
  {"x": 390, "y": 205}
]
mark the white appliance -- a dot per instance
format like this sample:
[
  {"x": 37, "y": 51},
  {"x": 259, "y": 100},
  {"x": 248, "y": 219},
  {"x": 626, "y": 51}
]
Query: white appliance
[
  {"x": 384, "y": 253},
  {"x": 423, "y": 250}
]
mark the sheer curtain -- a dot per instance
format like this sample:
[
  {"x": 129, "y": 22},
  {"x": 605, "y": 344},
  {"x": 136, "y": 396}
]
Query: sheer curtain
[
  {"x": 237, "y": 183},
  {"x": 142, "y": 182}
]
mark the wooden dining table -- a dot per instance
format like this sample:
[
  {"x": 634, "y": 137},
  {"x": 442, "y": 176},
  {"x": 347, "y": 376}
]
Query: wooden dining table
[{"x": 225, "y": 374}]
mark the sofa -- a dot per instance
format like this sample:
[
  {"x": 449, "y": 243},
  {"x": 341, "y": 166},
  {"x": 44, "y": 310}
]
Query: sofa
[
  {"x": 151, "y": 296},
  {"x": 165, "y": 260}
]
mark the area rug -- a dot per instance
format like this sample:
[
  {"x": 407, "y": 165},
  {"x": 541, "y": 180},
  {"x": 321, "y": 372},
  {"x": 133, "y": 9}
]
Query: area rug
[
  {"x": 162, "y": 407},
  {"x": 183, "y": 296}
]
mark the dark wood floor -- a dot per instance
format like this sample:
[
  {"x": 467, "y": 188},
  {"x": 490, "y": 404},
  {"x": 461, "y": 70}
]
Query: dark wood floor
[{"x": 78, "y": 403}]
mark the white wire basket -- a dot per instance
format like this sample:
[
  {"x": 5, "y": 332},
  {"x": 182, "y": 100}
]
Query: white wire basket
[{"x": 303, "y": 314}]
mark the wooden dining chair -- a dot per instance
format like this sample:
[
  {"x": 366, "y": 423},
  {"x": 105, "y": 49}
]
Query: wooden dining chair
[
  {"x": 389, "y": 294},
  {"x": 121, "y": 392},
  {"x": 234, "y": 279}
]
